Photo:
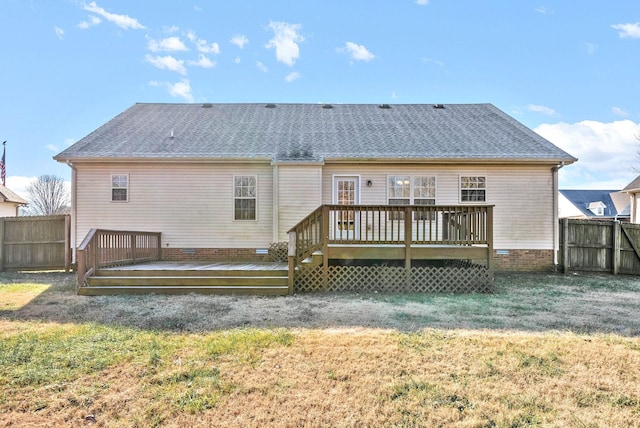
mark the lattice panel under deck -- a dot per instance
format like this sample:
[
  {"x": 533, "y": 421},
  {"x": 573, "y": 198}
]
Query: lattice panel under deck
[{"x": 449, "y": 279}]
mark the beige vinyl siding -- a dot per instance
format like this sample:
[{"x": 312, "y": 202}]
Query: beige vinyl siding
[
  {"x": 8, "y": 209},
  {"x": 191, "y": 204},
  {"x": 522, "y": 195},
  {"x": 299, "y": 193}
]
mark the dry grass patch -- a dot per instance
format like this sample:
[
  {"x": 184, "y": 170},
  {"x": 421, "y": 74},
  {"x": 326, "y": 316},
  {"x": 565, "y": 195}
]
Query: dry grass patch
[{"x": 338, "y": 377}]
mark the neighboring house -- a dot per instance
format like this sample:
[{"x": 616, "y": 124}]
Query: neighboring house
[
  {"x": 593, "y": 204},
  {"x": 226, "y": 180},
  {"x": 10, "y": 202},
  {"x": 633, "y": 190}
]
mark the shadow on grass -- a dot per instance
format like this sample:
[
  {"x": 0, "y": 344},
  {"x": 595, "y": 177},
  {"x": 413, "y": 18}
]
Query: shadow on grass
[{"x": 527, "y": 302}]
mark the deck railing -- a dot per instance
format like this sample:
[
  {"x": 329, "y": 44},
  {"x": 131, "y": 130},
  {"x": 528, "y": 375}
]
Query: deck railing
[
  {"x": 107, "y": 248},
  {"x": 459, "y": 225}
]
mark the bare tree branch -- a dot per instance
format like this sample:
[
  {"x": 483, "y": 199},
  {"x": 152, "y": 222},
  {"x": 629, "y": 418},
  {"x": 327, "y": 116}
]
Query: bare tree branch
[{"x": 48, "y": 195}]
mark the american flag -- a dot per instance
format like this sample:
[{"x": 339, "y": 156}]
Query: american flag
[{"x": 3, "y": 170}]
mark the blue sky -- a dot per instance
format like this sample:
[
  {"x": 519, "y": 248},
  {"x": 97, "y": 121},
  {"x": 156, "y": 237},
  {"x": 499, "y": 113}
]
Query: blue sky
[{"x": 568, "y": 70}]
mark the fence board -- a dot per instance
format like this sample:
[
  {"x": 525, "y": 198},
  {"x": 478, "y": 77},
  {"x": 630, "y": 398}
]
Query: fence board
[
  {"x": 32, "y": 243},
  {"x": 599, "y": 246}
]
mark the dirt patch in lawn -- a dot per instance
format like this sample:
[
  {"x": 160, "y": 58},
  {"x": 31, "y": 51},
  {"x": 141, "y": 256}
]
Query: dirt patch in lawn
[{"x": 528, "y": 302}]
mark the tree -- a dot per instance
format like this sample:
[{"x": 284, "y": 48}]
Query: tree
[{"x": 48, "y": 195}]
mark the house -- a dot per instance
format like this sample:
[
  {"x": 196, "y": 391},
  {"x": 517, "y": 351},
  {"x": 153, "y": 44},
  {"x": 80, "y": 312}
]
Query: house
[
  {"x": 10, "y": 202},
  {"x": 593, "y": 204},
  {"x": 633, "y": 190},
  {"x": 224, "y": 181}
]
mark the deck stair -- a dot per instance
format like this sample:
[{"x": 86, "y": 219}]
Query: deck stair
[{"x": 185, "y": 278}]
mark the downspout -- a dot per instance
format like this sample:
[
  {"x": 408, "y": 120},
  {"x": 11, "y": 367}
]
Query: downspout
[
  {"x": 556, "y": 220},
  {"x": 275, "y": 203},
  {"x": 74, "y": 210}
]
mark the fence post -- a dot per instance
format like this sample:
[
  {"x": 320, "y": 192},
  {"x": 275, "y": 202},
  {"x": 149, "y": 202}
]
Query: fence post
[
  {"x": 565, "y": 245},
  {"x": 615, "y": 247},
  {"x": 1, "y": 245},
  {"x": 408, "y": 232},
  {"x": 67, "y": 243}
]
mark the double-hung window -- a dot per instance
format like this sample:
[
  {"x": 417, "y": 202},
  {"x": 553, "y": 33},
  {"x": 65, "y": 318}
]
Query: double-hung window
[
  {"x": 119, "y": 188},
  {"x": 244, "y": 197},
  {"x": 473, "y": 189},
  {"x": 398, "y": 193},
  {"x": 424, "y": 193},
  {"x": 410, "y": 190}
]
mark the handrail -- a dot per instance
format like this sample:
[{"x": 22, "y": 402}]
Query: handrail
[
  {"x": 460, "y": 225},
  {"x": 107, "y": 248}
]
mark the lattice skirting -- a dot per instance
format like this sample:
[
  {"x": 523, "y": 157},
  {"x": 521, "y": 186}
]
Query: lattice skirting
[{"x": 387, "y": 279}]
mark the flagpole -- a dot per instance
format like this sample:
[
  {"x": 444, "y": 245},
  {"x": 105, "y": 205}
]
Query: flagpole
[{"x": 3, "y": 167}]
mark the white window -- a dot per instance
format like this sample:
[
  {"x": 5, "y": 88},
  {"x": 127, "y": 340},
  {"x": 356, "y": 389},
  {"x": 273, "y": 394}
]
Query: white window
[
  {"x": 473, "y": 189},
  {"x": 244, "y": 195},
  {"x": 119, "y": 188},
  {"x": 424, "y": 193},
  {"x": 407, "y": 190}
]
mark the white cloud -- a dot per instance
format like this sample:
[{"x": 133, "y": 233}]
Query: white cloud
[
  {"x": 541, "y": 109},
  {"x": 122, "y": 21},
  {"x": 203, "y": 62},
  {"x": 432, "y": 61},
  {"x": 239, "y": 40},
  {"x": 170, "y": 44},
  {"x": 59, "y": 32},
  {"x": 181, "y": 89},
  {"x": 422, "y": 2},
  {"x": 605, "y": 151},
  {"x": 619, "y": 112},
  {"x": 292, "y": 76},
  {"x": 69, "y": 141},
  {"x": 394, "y": 95},
  {"x": 631, "y": 31},
  {"x": 237, "y": 60},
  {"x": 52, "y": 148},
  {"x": 285, "y": 41},
  {"x": 541, "y": 9},
  {"x": 357, "y": 52},
  {"x": 93, "y": 21},
  {"x": 202, "y": 45},
  {"x": 19, "y": 184},
  {"x": 262, "y": 67},
  {"x": 167, "y": 63}
]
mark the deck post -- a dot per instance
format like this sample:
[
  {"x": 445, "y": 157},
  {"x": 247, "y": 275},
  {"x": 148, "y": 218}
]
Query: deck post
[
  {"x": 489, "y": 227},
  {"x": 408, "y": 232},
  {"x": 325, "y": 245},
  {"x": 292, "y": 261}
]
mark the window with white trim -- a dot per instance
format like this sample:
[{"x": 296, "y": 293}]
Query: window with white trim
[
  {"x": 244, "y": 197},
  {"x": 410, "y": 190},
  {"x": 424, "y": 193},
  {"x": 473, "y": 189},
  {"x": 119, "y": 188}
]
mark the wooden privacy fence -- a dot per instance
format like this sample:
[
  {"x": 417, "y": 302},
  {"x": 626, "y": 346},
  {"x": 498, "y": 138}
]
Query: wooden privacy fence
[
  {"x": 599, "y": 246},
  {"x": 107, "y": 248},
  {"x": 33, "y": 243}
]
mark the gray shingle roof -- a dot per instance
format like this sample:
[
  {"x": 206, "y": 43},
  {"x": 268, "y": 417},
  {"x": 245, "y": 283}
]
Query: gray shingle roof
[
  {"x": 346, "y": 131},
  {"x": 582, "y": 198}
]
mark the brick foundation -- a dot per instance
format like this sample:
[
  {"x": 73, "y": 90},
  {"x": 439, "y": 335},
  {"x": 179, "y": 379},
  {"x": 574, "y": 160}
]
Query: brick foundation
[
  {"x": 523, "y": 261},
  {"x": 213, "y": 254}
]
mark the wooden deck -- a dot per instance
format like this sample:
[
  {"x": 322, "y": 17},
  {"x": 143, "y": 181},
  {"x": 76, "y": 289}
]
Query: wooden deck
[
  {"x": 129, "y": 262},
  {"x": 166, "y": 277}
]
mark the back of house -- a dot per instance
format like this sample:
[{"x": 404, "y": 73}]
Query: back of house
[{"x": 224, "y": 181}]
